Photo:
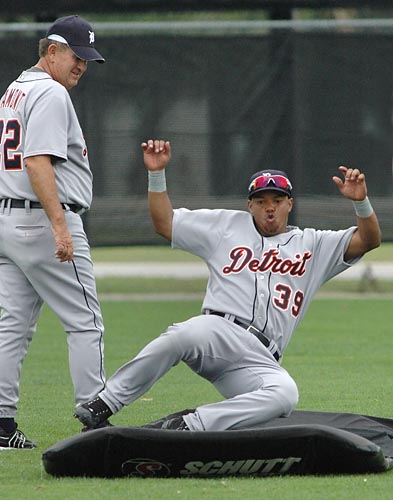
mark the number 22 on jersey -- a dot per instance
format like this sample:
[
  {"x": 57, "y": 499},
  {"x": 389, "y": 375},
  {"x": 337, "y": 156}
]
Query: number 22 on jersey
[{"x": 10, "y": 141}]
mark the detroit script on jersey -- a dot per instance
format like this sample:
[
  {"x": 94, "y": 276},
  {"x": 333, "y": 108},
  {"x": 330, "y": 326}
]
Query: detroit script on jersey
[{"x": 242, "y": 257}]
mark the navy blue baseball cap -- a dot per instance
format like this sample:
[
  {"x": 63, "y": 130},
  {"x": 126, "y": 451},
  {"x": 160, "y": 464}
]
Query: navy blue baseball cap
[
  {"x": 270, "y": 180},
  {"x": 78, "y": 34}
]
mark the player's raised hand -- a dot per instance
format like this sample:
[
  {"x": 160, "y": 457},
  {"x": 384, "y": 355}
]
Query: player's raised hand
[
  {"x": 352, "y": 185},
  {"x": 156, "y": 154}
]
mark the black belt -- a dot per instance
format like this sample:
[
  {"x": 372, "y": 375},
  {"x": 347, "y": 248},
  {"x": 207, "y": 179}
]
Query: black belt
[
  {"x": 252, "y": 329},
  {"x": 12, "y": 203}
]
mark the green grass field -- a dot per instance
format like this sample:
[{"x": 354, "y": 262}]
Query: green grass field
[{"x": 340, "y": 358}]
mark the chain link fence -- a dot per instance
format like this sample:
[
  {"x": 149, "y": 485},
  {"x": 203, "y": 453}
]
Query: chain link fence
[{"x": 233, "y": 98}]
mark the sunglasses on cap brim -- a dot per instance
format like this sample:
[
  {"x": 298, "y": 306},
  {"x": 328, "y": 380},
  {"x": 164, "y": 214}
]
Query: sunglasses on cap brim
[{"x": 264, "y": 181}]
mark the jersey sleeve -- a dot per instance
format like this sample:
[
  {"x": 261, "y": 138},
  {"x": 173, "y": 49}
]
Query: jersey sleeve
[
  {"x": 330, "y": 252},
  {"x": 47, "y": 123},
  {"x": 197, "y": 231}
]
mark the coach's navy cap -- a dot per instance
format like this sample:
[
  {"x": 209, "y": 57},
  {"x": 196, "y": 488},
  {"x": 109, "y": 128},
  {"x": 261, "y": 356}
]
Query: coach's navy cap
[
  {"x": 270, "y": 180},
  {"x": 78, "y": 35}
]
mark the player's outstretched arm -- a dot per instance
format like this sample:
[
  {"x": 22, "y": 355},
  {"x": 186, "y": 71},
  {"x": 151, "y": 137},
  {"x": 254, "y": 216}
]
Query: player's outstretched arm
[
  {"x": 368, "y": 235},
  {"x": 156, "y": 155}
]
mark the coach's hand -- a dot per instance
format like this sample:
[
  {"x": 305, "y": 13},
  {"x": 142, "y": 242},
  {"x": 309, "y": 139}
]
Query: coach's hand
[{"x": 64, "y": 244}]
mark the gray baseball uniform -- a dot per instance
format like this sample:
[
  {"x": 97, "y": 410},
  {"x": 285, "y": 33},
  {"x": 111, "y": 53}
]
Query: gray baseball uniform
[
  {"x": 37, "y": 118},
  {"x": 266, "y": 282}
]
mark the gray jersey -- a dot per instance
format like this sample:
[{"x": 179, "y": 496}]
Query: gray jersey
[
  {"x": 37, "y": 117},
  {"x": 266, "y": 281}
]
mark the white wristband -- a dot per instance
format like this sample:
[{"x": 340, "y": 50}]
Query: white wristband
[
  {"x": 157, "y": 181},
  {"x": 363, "y": 208}
]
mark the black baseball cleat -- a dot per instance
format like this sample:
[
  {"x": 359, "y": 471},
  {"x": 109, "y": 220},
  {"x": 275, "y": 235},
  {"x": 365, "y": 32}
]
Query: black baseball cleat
[
  {"x": 174, "y": 421},
  {"x": 103, "y": 424},
  {"x": 15, "y": 440},
  {"x": 175, "y": 424},
  {"x": 93, "y": 414}
]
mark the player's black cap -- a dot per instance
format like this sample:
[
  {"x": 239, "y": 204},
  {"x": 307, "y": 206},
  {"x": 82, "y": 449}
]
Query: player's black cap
[
  {"x": 270, "y": 180},
  {"x": 78, "y": 35}
]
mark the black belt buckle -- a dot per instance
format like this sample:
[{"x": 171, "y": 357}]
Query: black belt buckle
[
  {"x": 73, "y": 208},
  {"x": 259, "y": 335},
  {"x": 265, "y": 341},
  {"x": 254, "y": 331}
]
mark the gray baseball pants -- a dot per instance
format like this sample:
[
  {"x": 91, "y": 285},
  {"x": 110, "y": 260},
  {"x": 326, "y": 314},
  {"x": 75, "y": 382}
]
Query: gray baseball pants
[
  {"x": 29, "y": 276},
  {"x": 257, "y": 389}
]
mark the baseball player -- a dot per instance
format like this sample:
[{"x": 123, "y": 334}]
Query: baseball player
[
  {"x": 45, "y": 185},
  {"x": 262, "y": 277}
]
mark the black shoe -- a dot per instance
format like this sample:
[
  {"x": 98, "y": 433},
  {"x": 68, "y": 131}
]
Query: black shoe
[
  {"x": 15, "y": 440},
  {"x": 93, "y": 414},
  {"x": 175, "y": 424},
  {"x": 173, "y": 421},
  {"x": 103, "y": 424}
]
